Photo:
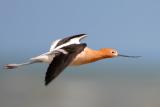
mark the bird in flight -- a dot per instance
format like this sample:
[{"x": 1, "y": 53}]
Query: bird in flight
[{"x": 66, "y": 52}]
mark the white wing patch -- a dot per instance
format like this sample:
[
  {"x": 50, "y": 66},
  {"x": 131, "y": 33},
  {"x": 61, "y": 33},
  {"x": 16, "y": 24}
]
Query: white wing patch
[
  {"x": 61, "y": 50},
  {"x": 54, "y": 43},
  {"x": 72, "y": 41}
]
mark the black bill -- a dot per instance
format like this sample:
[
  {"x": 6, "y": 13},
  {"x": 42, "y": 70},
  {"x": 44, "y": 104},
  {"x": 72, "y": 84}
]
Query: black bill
[{"x": 128, "y": 56}]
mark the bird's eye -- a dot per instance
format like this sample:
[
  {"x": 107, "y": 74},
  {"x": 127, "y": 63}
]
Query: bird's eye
[{"x": 113, "y": 52}]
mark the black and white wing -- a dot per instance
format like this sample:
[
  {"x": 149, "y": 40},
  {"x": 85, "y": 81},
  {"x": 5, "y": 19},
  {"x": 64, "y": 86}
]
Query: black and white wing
[
  {"x": 74, "y": 39},
  {"x": 62, "y": 59}
]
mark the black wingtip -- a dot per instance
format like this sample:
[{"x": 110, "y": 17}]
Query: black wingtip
[
  {"x": 47, "y": 81},
  {"x": 82, "y": 35}
]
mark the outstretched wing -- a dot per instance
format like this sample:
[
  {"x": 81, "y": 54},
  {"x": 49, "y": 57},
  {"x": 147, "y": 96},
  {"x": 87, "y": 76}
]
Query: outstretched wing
[
  {"x": 74, "y": 39},
  {"x": 62, "y": 60}
]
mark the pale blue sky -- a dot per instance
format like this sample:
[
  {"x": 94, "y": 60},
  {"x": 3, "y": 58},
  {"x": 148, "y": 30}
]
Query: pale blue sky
[{"x": 131, "y": 26}]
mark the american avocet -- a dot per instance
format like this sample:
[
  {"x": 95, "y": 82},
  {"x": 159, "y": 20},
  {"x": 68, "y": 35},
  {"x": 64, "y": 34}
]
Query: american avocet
[{"x": 66, "y": 52}]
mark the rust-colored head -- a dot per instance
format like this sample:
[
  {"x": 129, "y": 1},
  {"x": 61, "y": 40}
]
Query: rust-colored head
[{"x": 109, "y": 52}]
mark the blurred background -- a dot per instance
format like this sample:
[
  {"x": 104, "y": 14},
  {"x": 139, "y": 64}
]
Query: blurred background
[{"x": 27, "y": 28}]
